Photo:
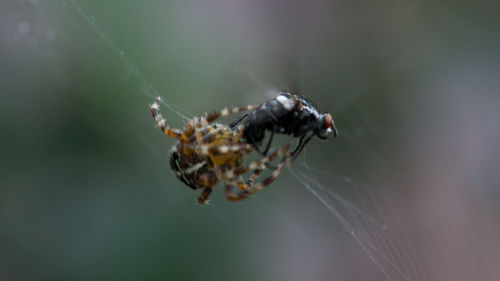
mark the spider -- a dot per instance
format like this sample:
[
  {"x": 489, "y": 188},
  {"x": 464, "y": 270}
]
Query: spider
[
  {"x": 286, "y": 114},
  {"x": 207, "y": 153}
]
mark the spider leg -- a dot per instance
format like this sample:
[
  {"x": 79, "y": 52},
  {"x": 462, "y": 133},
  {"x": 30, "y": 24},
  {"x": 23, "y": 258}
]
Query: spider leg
[
  {"x": 252, "y": 177},
  {"x": 224, "y": 112},
  {"x": 255, "y": 174},
  {"x": 250, "y": 188},
  {"x": 155, "y": 112},
  {"x": 203, "y": 134},
  {"x": 231, "y": 174},
  {"x": 203, "y": 198}
]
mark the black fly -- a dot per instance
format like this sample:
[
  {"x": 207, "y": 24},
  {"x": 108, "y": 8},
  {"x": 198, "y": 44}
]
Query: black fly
[{"x": 286, "y": 114}]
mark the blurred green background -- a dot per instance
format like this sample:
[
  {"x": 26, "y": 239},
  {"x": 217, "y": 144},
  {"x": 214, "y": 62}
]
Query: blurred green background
[{"x": 87, "y": 192}]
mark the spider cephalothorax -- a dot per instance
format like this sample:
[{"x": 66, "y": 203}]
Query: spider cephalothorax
[{"x": 286, "y": 114}]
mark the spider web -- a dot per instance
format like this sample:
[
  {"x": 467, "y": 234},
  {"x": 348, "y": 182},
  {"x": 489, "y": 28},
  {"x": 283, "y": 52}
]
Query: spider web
[
  {"x": 395, "y": 260},
  {"x": 375, "y": 221},
  {"x": 391, "y": 259}
]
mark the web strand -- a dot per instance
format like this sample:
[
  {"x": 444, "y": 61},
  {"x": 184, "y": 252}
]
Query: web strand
[
  {"x": 145, "y": 86},
  {"x": 379, "y": 257}
]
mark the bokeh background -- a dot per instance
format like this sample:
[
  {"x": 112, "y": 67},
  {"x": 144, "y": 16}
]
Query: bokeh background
[{"x": 87, "y": 193}]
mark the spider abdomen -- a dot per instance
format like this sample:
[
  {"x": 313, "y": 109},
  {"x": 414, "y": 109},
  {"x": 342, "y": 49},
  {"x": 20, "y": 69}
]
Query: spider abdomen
[{"x": 191, "y": 168}]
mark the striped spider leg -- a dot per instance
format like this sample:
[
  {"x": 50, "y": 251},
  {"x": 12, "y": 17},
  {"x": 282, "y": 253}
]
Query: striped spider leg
[
  {"x": 197, "y": 127},
  {"x": 249, "y": 188}
]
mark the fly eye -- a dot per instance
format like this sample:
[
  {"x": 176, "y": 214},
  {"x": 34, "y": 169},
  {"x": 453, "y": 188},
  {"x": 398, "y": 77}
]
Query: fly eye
[{"x": 327, "y": 121}]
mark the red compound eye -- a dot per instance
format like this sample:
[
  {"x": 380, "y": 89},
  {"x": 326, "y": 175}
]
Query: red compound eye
[{"x": 327, "y": 121}]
